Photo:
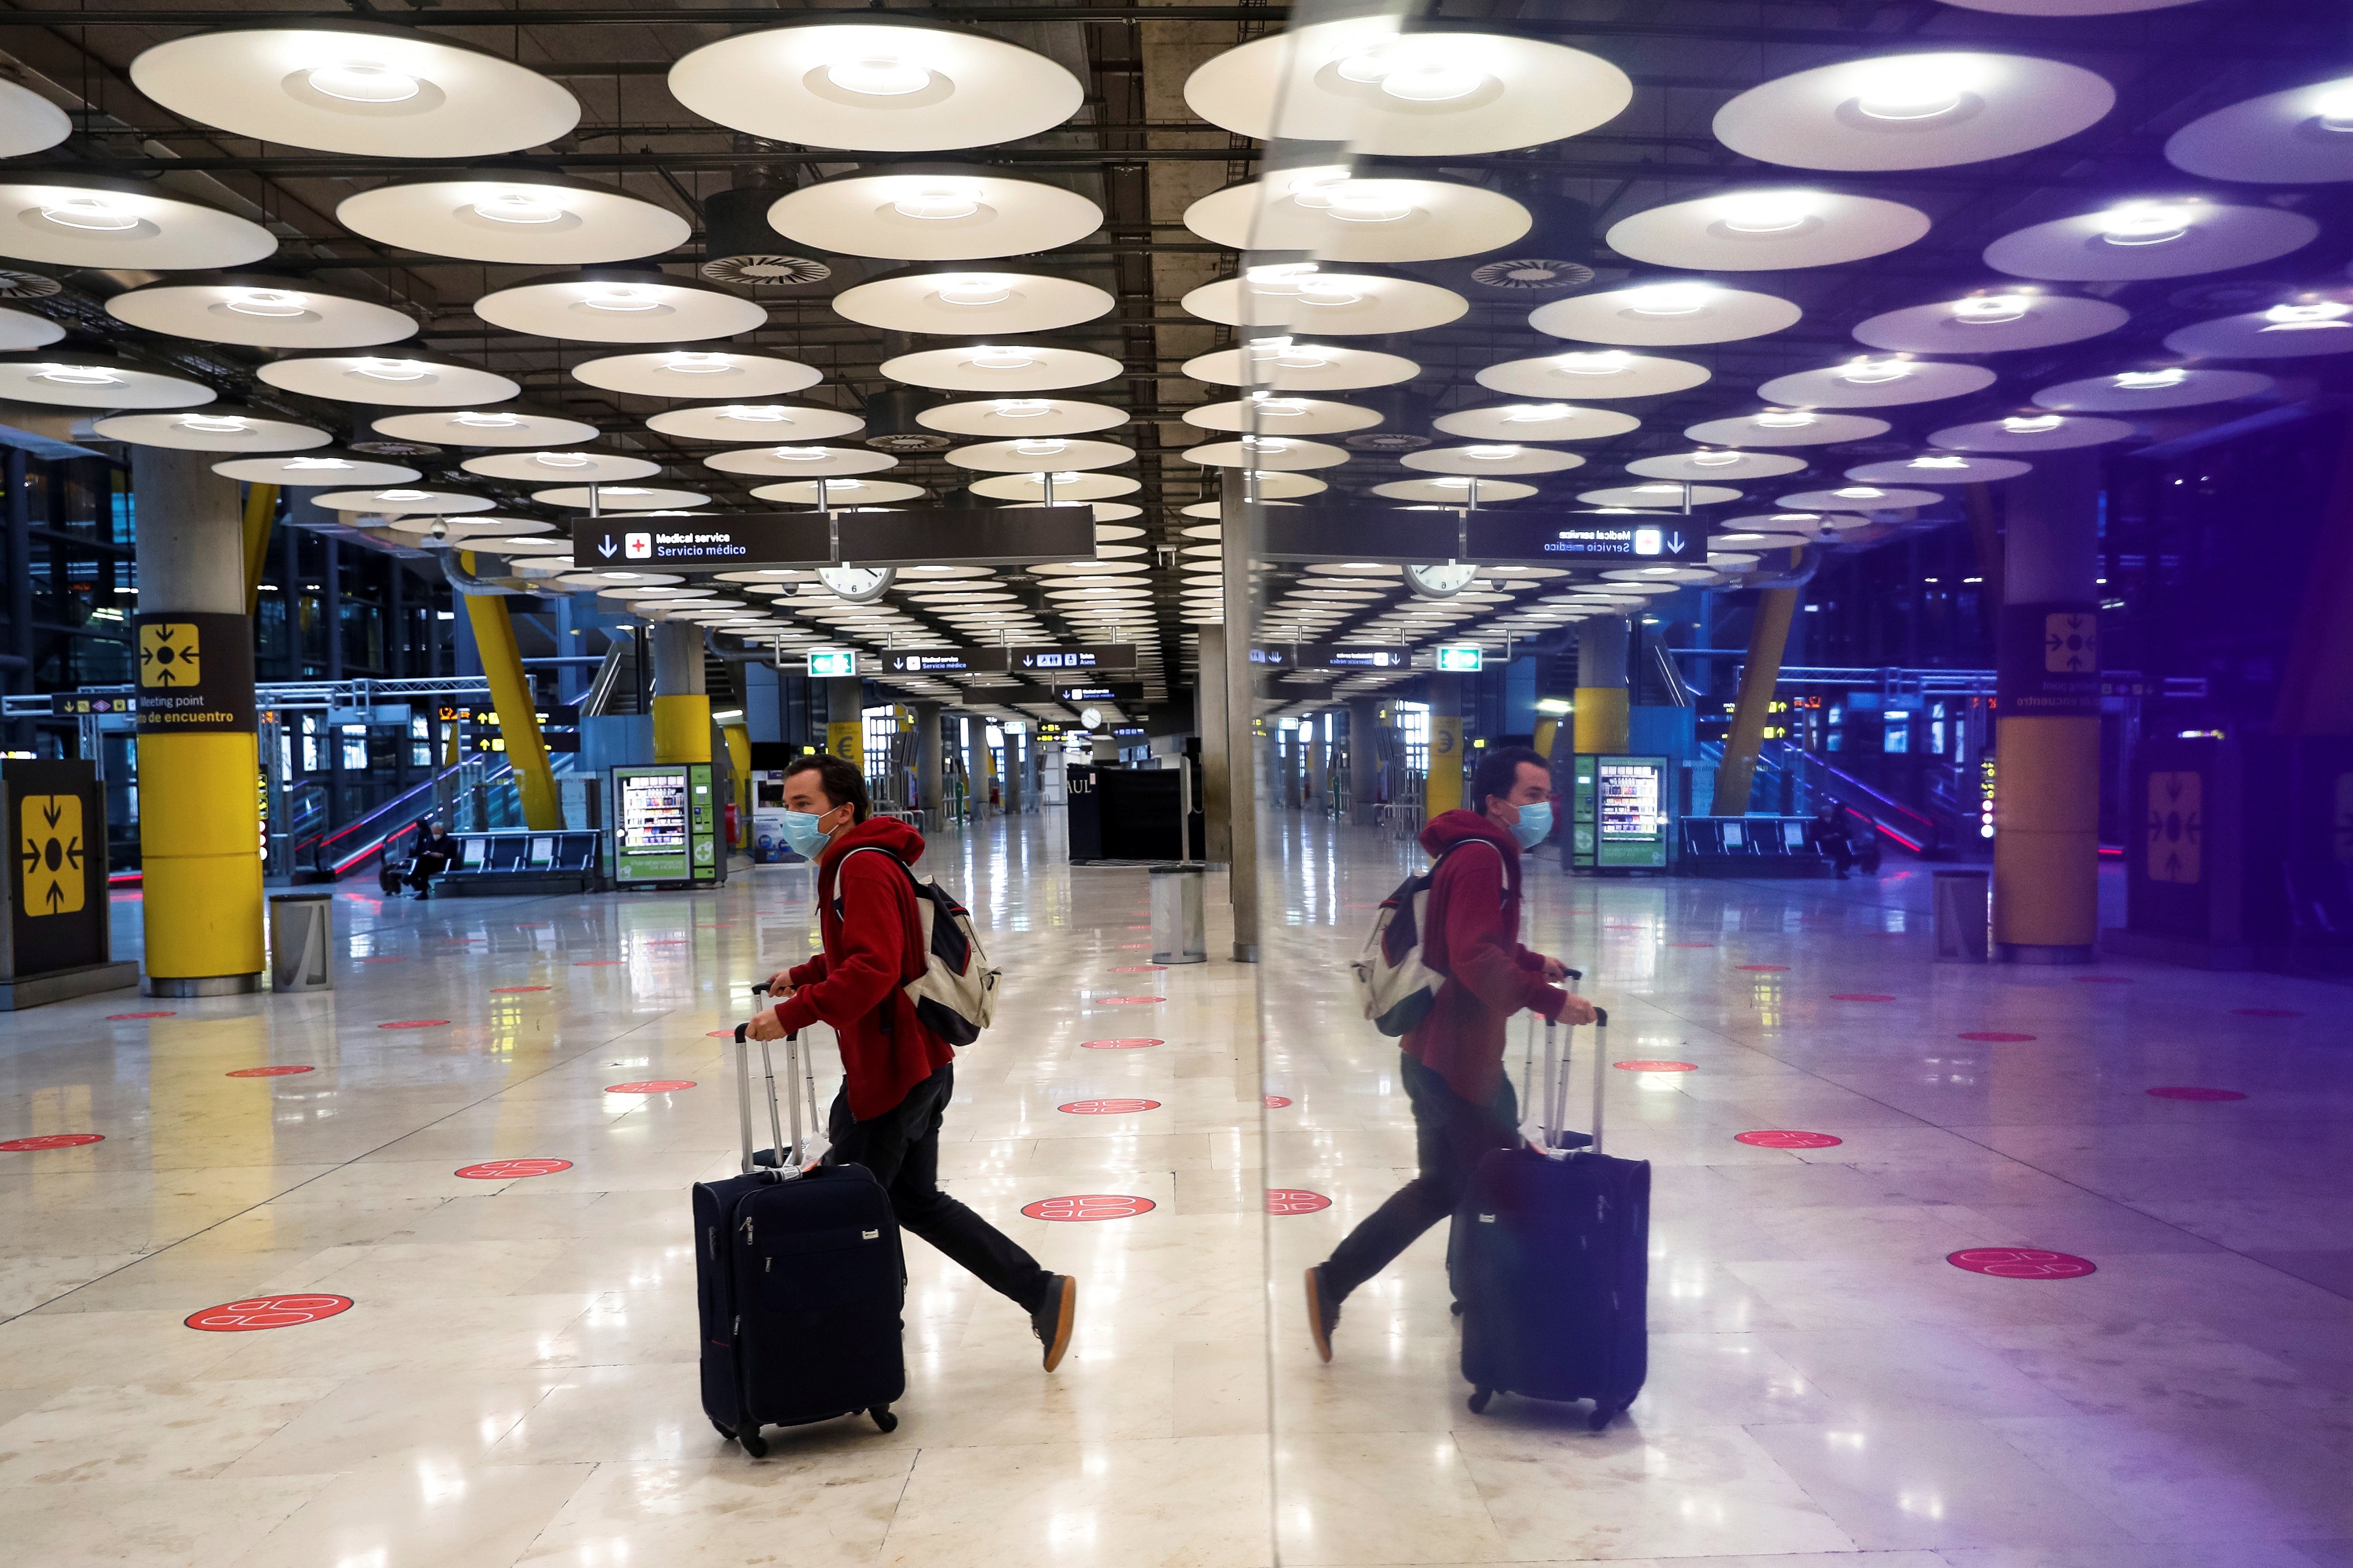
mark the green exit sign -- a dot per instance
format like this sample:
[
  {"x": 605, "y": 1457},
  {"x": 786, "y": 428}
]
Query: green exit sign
[
  {"x": 1463, "y": 659},
  {"x": 824, "y": 663}
]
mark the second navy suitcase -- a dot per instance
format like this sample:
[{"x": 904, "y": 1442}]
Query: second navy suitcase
[
  {"x": 1551, "y": 1256},
  {"x": 800, "y": 1283}
]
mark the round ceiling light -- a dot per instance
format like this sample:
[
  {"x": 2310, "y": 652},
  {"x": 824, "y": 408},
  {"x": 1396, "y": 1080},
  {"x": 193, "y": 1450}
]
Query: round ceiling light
[
  {"x": 29, "y": 123},
  {"x": 2150, "y": 238},
  {"x": 620, "y": 497},
  {"x": 1861, "y": 498},
  {"x": 215, "y": 427},
  {"x": 741, "y": 422},
  {"x": 1268, "y": 485},
  {"x": 971, "y": 301},
  {"x": 1602, "y": 374},
  {"x": 1305, "y": 296},
  {"x": 1453, "y": 490},
  {"x": 23, "y": 329},
  {"x": 1039, "y": 454},
  {"x": 1070, "y": 484},
  {"x": 876, "y": 85},
  {"x": 1283, "y": 364},
  {"x": 1492, "y": 458},
  {"x": 1721, "y": 467},
  {"x": 790, "y": 461},
  {"x": 699, "y": 374},
  {"x": 1534, "y": 422},
  {"x": 1767, "y": 229},
  {"x": 317, "y": 469},
  {"x": 1659, "y": 495},
  {"x": 75, "y": 380},
  {"x": 403, "y": 381},
  {"x": 405, "y": 500},
  {"x": 1270, "y": 415},
  {"x": 1664, "y": 313},
  {"x": 1993, "y": 321},
  {"x": 2035, "y": 432},
  {"x": 2170, "y": 386},
  {"x": 1912, "y": 111},
  {"x": 2066, "y": 7},
  {"x": 1940, "y": 468},
  {"x": 1427, "y": 91},
  {"x": 934, "y": 211},
  {"x": 621, "y": 305},
  {"x": 2293, "y": 330},
  {"x": 1876, "y": 382},
  {"x": 839, "y": 492},
  {"x": 1332, "y": 212},
  {"x": 1272, "y": 454},
  {"x": 350, "y": 87},
  {"x": 2302, "y": 136},
  {"x": 1014, "y": 418},
  {"x": 1001, "y": 368},
  {"x": 261, "y": 310},
  {"x": 1787, "y": 428},
  {"x": 486, "y": 427},
  {"x": 579, "y": 468},
  {"x": 526, "y": 217},
  {"x": 119, "y": 224}
]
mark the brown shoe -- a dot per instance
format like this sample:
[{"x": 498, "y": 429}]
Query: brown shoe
[
  {"x": 1322, "y": 1312},
  {"x": 1052, "y": 1319}
]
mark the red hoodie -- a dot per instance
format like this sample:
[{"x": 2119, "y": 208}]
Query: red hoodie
[
  {"x": 873, "y": 945},
  {"x": 1473, "y": 938}
]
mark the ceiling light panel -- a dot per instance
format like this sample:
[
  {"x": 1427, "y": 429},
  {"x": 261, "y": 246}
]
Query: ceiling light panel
[
  {"x": 1014, "y": 419},
  {"x": 2151, "y": 237},
  {"x": 1660, "y": 496},
  {"x": 1992, "y": 320},
  {"x": 1273, "y": 454},
  {"x": 2033, "y": 431},
  {"x": 117, "y": 225},
  {"x": 1453, "y": 490},
  {"x": 95, "y": 381},
  {"x": 971, "y": 302},
  {"x": 1938, "y": 468},
  {"x": 1001, "y": 368},
  {"x": 620, "y": 497},
  {"x": 1787, "y": 428},
  {"x": 1312, "y": 300},
  {"x": 1912, "y": 111},
  {"x": 317, "y": 470},
  {"x": 583, "y": 467},
  {"x": 839, "y": 492},
  {"x": 1534, "y": 422},
  {"x": 1877, "y": 381},
  {"x": 1331, "y": 212},
  {"x": 2302, "y": 136},
  {"x": 622, "y": 306},
  {"x": 215, "y": 427},
  {"x": 377, "y": 91},
  {"x": 1275, "y": 416},
  {"x": 393, "y": 379},
  {"x": 486, "y": 427},
  {"x": 1041, "y": 454},
  {"x": 1496, "y": 458},
  {"x": 261, "y": 310},
  {"x": 2296, "y": 329},
  {"x": 1723, "y": 468},
  {"x": 699, "y": 374},
  {"x": 790, "y": 461},
  {"x": 934, "y": 213},
  {"x": 1283, "y": 364},
  {"x": 530, "y": 219},
  {"x": 1592, "y": 374},
  {"x": 2139, "y": 390},
  {"x": 741, "y": 422},
  {"x": 1666, "y": 312},
  {"x": 29, "y": 123},
  {"x": 1767, "y": 228}
]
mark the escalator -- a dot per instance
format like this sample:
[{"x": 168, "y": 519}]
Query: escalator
[
  {"x": 478, "y": 794},
  {"x": 1799, "y": 781}
]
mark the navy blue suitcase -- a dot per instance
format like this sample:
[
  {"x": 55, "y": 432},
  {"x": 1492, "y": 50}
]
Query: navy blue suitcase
[
  {"x": 1550, "y": 1258},
  {"x": 799, "y": 1282}
]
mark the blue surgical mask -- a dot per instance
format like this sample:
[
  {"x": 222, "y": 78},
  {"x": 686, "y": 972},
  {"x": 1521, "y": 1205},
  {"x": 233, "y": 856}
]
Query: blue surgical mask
[
  {"x": 802, "y": 832},
  {"x": 1533, "y": 826}
]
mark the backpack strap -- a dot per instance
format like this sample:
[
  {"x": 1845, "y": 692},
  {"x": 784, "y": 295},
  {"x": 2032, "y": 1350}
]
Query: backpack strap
[{"x": 883, "y": 1009}]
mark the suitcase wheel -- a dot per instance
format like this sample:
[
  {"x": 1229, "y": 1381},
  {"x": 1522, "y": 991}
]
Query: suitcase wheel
[
  {"x": 1602, "y": 1415},
  {"x": 726, "y": 1434},
  {"x": 1479, "y": 1397},
  {"x": 883, "y": 1420},
  {"x": 754, "y": 1443}
]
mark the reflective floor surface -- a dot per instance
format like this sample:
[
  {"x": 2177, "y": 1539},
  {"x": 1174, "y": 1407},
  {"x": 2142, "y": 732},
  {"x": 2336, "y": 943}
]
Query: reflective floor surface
[{"x": 513, "y": 1381}]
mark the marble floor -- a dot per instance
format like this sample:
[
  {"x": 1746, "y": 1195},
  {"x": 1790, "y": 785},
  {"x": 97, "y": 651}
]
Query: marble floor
[{"x": 511, "y": 1381}]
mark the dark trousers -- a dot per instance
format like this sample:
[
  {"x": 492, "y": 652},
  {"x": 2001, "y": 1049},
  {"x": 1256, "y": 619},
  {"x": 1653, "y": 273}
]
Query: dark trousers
[
  {"x": 902, "y": 1147},
  {"x": 425, "y": 867},
  {"x": 1452, "y": 1135}
]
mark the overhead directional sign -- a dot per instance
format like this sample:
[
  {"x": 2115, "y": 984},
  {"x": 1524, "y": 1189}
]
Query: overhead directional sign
[
  {"x": 1046, "y": 661},
  {"x": 1074, "y": 657},
  {"x": 1328, "y": 656},
  {"x": 998, "y": 536},
  {"x": 1579, "y": 537},
  {"x": 1506, "y": 536}
]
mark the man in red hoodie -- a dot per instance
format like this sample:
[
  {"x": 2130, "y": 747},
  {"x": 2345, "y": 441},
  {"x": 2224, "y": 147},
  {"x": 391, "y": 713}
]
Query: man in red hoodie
[
  {"x": 1452, "y": 1065},
  {"x": 897, "y": 1075}
]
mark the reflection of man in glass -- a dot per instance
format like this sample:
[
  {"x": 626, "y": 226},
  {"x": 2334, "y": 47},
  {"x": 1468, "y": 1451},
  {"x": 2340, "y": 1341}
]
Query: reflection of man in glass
[{"x": 1452, "y": 1064}]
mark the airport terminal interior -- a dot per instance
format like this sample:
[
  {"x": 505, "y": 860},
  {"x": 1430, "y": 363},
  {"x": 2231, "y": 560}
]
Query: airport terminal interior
[{"x": 1850, "y": 500}]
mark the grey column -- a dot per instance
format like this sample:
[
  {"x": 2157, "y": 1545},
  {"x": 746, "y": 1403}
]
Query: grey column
[
  {"x": 930, "y": 788},
  {"x": 330, "y": 607},
  {"x": 1209, "y": 719},
  {"x": 976, "y": 766},
  {"x": 1237, "y": 529},
  {"x": 1363, "y": 757},
  {"x": 20, "y": 593},
  {"x": 1013, "y": 749},
  {"x": 678, "y": 659}
]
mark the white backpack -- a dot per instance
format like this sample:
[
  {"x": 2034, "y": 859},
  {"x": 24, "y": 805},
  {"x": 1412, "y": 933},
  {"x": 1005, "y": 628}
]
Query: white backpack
[
  {"x": 956, "y": 995},
  {"x": 1394, "y": 986}
]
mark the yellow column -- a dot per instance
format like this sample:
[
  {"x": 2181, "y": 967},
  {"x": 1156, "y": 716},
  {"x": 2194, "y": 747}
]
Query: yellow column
[
  {"x": 2046, "y": 840},
  {"x": 739, "y": 758},
  {"x": 682, "y": 705},
  {"x": 494, "y": 640},
  {"x": 1442, "y": 787},
  {"x": 2315, "y": 693},
  {"x": 1547, "y": 731},
  {"x": 1600, "y": 719},
  {"x": 260, "y": 507},
  {"x": 1762, "y": 672}
]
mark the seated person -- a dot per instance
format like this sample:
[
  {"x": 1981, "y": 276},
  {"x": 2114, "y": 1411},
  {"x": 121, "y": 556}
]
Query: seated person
[{"x": 436, "y": 852}]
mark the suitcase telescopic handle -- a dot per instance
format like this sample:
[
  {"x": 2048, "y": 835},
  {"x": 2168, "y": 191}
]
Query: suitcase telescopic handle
[{"x": 786, "y": 1154}]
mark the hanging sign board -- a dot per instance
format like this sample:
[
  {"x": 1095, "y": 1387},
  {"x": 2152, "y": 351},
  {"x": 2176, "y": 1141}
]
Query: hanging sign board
[
  {"x": 1007, "y": 536},
  {"x": 196, "y": 673},
  {"x": 1516, "y": 536},
  {"x": 1070, "y": 659}
]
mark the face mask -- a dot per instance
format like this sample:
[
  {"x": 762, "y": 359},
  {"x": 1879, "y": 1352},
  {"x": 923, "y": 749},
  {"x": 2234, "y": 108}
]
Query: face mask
[
  {"x": 1535, "y": 825},
  {"x": 802, "y": 832}
]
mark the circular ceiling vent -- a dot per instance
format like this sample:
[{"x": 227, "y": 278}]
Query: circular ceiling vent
[
  {"x": 381, "y": 448},
  {"x": 1387, "y": 441},
  {"x": 16, "y": 285},
  {"x": 909, "y": 441},
  {"x": 777, "y": 270},
  {"x": 1532, "y": 275}
]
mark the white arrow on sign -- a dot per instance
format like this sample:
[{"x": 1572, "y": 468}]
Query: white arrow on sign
[
  {"x": 1675, "y": 542},
  {"x": 605, "y": 547}
]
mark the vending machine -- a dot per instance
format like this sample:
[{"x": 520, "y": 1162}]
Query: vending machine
[
  {"x": 665, "y": 825},
  {"x": 1620, "y": 818}
]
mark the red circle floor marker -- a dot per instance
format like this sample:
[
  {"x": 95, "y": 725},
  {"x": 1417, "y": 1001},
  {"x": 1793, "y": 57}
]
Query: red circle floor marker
[
  {"x": 2191, "y": 1091},
  {"x": 1294, "y": 1200},
  {"x": 1141, "y": 969},
  {"x": 1132, "y": 947},
  {"x": 1782, "y": 1140},
  {"x": 2266, "y": 1012},
  {"x": 1127, "y": 1000},
  {"x": 1764, "y": 968},
  {"x": 1126, "y": 1045},
  {"x": 654, "y": 1085},
  {"x": 266, "y": 1312},
  {"x": 415, "y": 1024},
  {"x": 501, "y": 1170},
  {"x": 1655, "y": 1066},
  {"x": 2022, "y": 1263},
  {"x": 511, "y": 990},
  {"x": 1858, "y": 997},
  {"x": 112, "y": 1018},
  {"x": 1089, "y": 1206},
  {"x": 1275, "y": 1102},
  {"x": 1992, "y": 1034},
  {"x": 1108, "y": 1106},
  {"x": 718, "y": 1034},
  {"x": 269, "y": 1072},
  {"x": 50, "y": 1140}
]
